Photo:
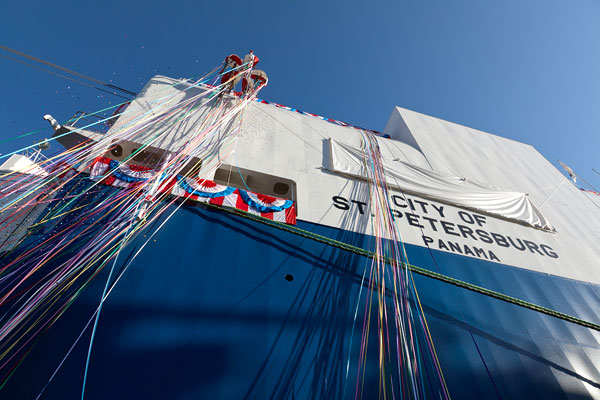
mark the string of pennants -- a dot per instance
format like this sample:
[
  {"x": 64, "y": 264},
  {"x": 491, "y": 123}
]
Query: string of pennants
[
  {"x": 590, "y": 191},
  {"x": 330, "y": 120},
  {"x": 125, "y": 176}
]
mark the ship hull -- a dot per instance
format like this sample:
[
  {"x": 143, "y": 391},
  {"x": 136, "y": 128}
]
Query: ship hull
[{"x": 220, "y": 306}]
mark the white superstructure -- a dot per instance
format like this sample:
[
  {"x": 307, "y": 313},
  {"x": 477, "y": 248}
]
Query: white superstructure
[{"x": 288, "y": 154}]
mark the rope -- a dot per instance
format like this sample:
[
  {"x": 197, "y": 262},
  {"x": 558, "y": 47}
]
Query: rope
[
  {"x": 89, "y": 78},
  {"x": 38, "y": 299},
  {"x": 62, "y": 76},
  {"x": 413, "y": 268}
]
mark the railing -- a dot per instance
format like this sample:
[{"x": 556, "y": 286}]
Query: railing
[{"x": 34, "y": 154}]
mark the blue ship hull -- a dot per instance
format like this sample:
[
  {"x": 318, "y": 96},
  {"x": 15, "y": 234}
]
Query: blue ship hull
[{"x": 217, "y": 306}]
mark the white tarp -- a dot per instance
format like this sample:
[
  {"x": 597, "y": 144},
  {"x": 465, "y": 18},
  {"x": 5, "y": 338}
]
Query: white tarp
[{"x": 442, "y": 187}]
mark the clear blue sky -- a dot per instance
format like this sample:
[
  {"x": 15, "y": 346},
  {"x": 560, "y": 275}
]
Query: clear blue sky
[{"x": 528, "y": 70}]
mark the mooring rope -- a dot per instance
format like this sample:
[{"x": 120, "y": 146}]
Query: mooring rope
[{"x": 419, "y": 270}]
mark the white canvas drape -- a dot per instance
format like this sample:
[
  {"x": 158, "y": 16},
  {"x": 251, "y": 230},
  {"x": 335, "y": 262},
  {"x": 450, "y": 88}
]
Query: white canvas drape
[{"x": 442, "y": 187}]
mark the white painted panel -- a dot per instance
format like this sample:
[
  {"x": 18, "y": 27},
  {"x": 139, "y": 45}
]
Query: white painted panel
[{"x": 284, "y": 143}]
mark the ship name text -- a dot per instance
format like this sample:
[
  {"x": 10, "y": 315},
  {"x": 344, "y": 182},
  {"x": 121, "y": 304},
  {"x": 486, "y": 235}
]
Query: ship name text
[{"x": 432, "y": 219}]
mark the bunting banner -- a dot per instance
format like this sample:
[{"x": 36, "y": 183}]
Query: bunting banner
[
  {"x": 205, "y": 191},
  {"x": 590, "y": 191},
  {"x": 120, "y": 175},
  {"x": 197, "y": 189},
  {"x": 113, "y": 173}
]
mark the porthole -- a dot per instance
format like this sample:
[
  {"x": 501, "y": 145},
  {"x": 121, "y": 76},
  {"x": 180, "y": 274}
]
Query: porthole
[
  {"x": 117, "y": 151},
  {"x": 281, "y": 188}
]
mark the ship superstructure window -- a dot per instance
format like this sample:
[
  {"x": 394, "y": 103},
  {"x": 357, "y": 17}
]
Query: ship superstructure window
[
  {"x": 281, "y": 188},
  {"x": 147, "y": 157},
  {"x": 257, "y": 182},
  {"x": 117, "y": 151}
]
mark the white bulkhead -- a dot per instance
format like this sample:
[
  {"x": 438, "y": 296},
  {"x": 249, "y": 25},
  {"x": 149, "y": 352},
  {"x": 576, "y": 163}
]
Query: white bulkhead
[{"x": 285, "y": 153}]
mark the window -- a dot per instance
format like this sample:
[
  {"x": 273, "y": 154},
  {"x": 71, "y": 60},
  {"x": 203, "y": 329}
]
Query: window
[{"x": 257, "y": 182}]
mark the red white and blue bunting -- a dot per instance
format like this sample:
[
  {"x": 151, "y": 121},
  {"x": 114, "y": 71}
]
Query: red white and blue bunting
[
  {"x": 330, "y": 120},
  {"x": 200, "y": 188},
  {"x": 113, "y": 173},
  {"x": 116, "y": 174},
  {"x": 590, "y": 191}
]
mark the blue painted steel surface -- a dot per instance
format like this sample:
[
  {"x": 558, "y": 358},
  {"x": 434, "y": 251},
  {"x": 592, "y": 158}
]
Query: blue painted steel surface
[{"x": 205, "y": 311}]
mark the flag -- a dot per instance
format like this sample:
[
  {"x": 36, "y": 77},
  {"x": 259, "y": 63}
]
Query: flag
[{"x": 570, "y": 171}]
